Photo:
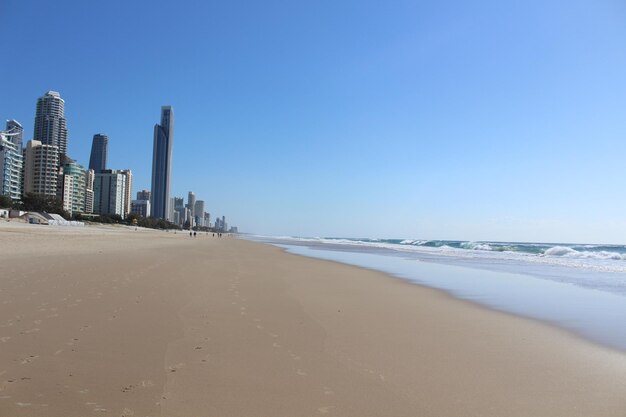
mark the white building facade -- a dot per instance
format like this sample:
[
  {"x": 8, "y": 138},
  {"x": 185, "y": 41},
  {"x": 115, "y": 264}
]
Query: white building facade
[{"x": 109, "y": 189}]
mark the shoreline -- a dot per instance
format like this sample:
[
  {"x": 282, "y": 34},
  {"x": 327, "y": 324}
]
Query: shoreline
[
  {"x": 519, "y": 293},
  {"x": 125, "y": 323},
  {"x": 474, "y": 304}
]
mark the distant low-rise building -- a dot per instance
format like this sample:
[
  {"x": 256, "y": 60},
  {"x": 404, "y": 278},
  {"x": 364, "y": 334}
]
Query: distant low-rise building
[
  {"x": 141, "y": 208},
  {"x": 143, "y": 195}
]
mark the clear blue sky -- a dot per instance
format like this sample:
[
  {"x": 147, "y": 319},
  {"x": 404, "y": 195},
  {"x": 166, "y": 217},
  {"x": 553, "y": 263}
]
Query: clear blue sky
[{"x": 494, "y": 120}]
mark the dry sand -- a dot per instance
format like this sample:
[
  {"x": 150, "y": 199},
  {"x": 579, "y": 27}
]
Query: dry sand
[{"x": 117, "y": 322}]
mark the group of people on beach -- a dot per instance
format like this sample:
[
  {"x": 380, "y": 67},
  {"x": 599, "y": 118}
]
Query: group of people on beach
[{"x": 193, "y": 234}]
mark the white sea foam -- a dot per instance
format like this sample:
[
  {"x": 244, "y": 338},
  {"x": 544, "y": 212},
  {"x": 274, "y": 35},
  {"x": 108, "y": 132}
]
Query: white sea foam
[
  {"x": 573, "y": 253},
  {"x": 561, "y": 256},
  {"x": 476, "y": 246}
]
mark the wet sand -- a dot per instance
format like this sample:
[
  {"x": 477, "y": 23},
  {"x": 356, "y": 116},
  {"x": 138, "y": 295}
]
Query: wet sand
[{"x": 116, "y": 322}]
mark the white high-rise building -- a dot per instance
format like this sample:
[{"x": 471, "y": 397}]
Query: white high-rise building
[
  {"x": 199, "y": 213},
  {"x": 65, "y": 191},
  {"x": 11, "y": 160},
  {"x": 109, "y": 191},
  {"x": 129, "y": 186},
  {"x": 170, "y": 210},
  {"x": 191, "y": 202},
  {"x": 89, "y": 180}
]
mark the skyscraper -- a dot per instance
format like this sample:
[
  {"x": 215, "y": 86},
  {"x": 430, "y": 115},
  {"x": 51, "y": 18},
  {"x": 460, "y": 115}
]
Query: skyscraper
[
  {"x": 98, "y": 158},
  {"x": 162, "y": 164},
  {"x": 41, "y": 168},
  {"x": 110, "y": 191},
  {"x": 16, "y": 133},
  {"x": 76, "y": 193},
  {"x": 11, "y": 160},
  {"x": 199, "y": 213},
  {"x": 90, "y": 177},
  {"x": 50, "y": 125},
  {"x": 129, "y": 186},
  {"x": 191, "y": 202}
]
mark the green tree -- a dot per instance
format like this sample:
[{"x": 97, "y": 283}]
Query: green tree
[
  {"x": 6, "y": 201},
  {"x": 41, "y": 202}
]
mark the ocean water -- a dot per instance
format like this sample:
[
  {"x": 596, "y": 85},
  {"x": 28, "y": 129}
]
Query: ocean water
[{"x": 579, "y": 287}]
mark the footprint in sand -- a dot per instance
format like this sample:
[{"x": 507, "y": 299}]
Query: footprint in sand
[
  {"x": 5, "y": 339},
  {"x": 276, "y": 345},
  {"x": 328, "y": 391},
  {"x": 176, "y": 367},
  {"x": 29, "y": 359},
  {"x": 31, "y": 331},
  {"x": 301, "y": 372},
  {"x": 325, "y": 409}
]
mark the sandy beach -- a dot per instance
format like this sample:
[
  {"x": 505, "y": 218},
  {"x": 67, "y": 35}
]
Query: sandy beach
[{"x": 113, "y": 321}]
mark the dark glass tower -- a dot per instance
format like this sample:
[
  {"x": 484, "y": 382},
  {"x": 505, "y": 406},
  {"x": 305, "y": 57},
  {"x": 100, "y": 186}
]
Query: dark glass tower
[
  {"x": 162, "y": 164},
  {"x": 50, "y": 125},
  {"x": 98, "y": 158}
]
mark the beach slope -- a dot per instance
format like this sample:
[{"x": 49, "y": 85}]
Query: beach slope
[{"x": 118, "y": 322}]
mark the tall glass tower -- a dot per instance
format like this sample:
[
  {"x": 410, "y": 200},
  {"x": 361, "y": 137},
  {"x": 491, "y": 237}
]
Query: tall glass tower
[
  {"x": 98, "y": 157},
  {"x": 162, "y": 164},
  {"x": 50, "y": 125}
]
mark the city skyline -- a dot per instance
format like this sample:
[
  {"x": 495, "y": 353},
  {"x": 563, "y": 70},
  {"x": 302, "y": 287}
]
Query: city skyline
[
  {"x": 95, "y": 190},
  {"x": 423, "y": 120}
]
